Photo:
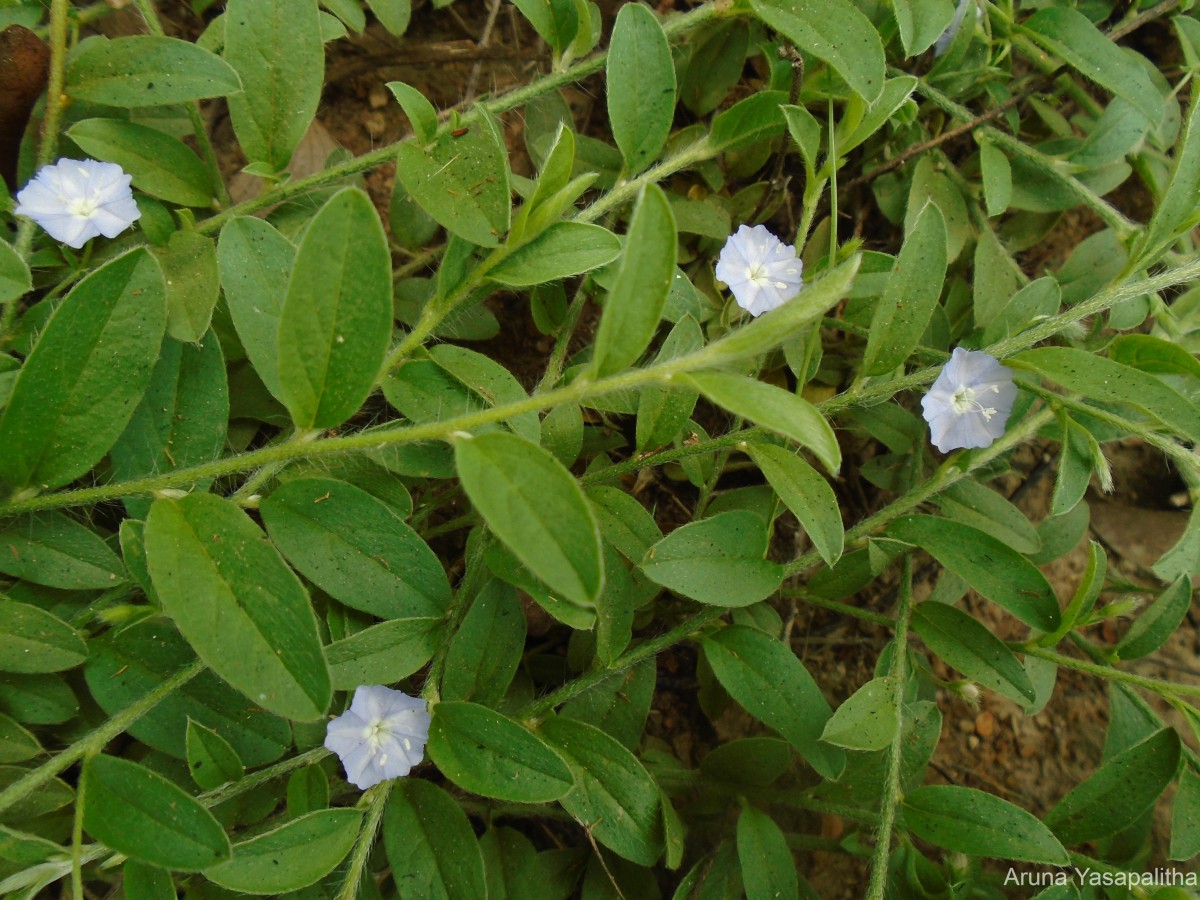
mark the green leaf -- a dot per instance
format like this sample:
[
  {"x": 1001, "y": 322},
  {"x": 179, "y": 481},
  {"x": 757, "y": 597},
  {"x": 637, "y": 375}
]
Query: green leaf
[
  {"x": 640, "y": 77},
  {"x": 256, "y": 263},
  {"x": 491, "y": 381},
  {"x": 461, "y": 181},
  {"x": 978, "y": 824},
  {"x": 997, "y": 178},
  {"x": 768, "y": 869},
  {"x": 719, "y": 560},
  {"x": 487, "y": 646},
  {"x": 85, "y": 375},
  {"x": 614, "y": 796},
  {"x": 182, "y": 419},
  {"x": 394, "y": 15},
  {"x": 57, "y": 551},
  {"x": 756, "y": 119},
  {"x": 146, "y": 70},
  {"x": 531, "y": 502},
  {"x": 50, "y": 796},
  {"x": 383, "y": 653},
  {"x": 142, "y": 882},
  {"x": 980, "y": 507},
  {"x": 189, "y": 266},
  {"x": 15, "y": 279},
  {"x": 557, "y": 21},
  {"x": 336, "y": 322},
  {"x": 903, "y": 312},
  {"x": 126, "y": 665},
  {"x": 1153, "y": 354},
  {"x": 664, "y": 410},
  {"x": 237, "y": 603},
  {"x": 430, "y": 844},
  {"x": 1119, "y": 792},
  {"x": 291, "y": 857},
  {"x": 143, "y": 815},
  {"x": 37, "y": 699},
  {"x": 1151, "y": 629},
  {"x": 1103, "y": 379},
  {"x": 1185, "y": 816},
  {"x": 771, "y": 684},
  {"x": 987, "y": 564},
  {"x": 562, "y": 250},
  {"x": 355, "y": 549},
  {"x": 832, "y": 30},
  {"x": 635, "y": 303},
  {"x": 868, "y": 719},
  {"x": 307, "y": 791},
  {"x": 1177, "y": 210},
  {"x": 1067, "y": 33},
  {"x": 421, "y": 113},
  {"x": 755, "y": 761},
  {"x": 210, "y": 759},
  {"x": 805, "y": 493},
  {"x": 160, "y": 165},
  {"x": 922, "y": 22},
  {"x": 775, "y": 409},
  {"x": 970, "y": 647},
  {"x": 32, "y": 640},
  {"x": 275, "y": 47},
  {"x": 16, "y": 744},
  {"x": 489, "y": 754}
]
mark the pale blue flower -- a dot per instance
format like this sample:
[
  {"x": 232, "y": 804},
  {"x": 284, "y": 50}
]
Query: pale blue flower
[
  {"x": 761, "y": 270},
  {"x": 969, "y": 404},
  {"x": 382, "y": 735},
  {"x": 942, "y": 44},
  {"x": 75, "y": 200}
]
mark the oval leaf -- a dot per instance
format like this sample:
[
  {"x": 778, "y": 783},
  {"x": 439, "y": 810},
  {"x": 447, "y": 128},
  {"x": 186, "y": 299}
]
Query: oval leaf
[
  {"x": 57, "y": 551},
  {"x": 972, "y": 649},
  {"x": 805, "y": 493},
  {"x": 430, "y": 844},
  {"x": 32, "y": 640},
  {"x": 160, "y": 165},
  {"x": 237, "y": 603},
  {"x": 336, "y": 321},
  {"x": 85, "y": 375},
  {"x": 141, "y": 814},
  {"x": 641, "y": 86},
  {"x": 146, "y": 70},
  {"x": 531, "y": 502},
  {"x": 563, "y": 249},
  {"x": 383, "y": 653},
  {"x": 491, "y": 755},
  {"x": 868, "y": 720},
  {"x": 979, "y": 824}
]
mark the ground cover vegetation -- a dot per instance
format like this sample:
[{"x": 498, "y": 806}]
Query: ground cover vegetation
[{"x": 468, "y": 540}]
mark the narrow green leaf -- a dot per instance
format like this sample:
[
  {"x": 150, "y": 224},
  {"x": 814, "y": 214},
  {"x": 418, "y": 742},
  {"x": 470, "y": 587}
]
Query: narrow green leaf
[
  {"x": 1158, "y": 622},
  {"x": 16, "y": 744},
  {"x": 336, "y": 323},
  {"x": 997, "y": 178},
  {"x": 805, "y": 493},
  {"x": 383, "y": 653},
  {"x": 421, "y": 114},
  {"x": 189, "y": 266},
  {"x": 160, "y": 165},
  {"x": 972, "y": 822},
  {"x": 970, "y": 647},
  {"x": 146, "y": 70},
  {"x": 55, "y": 550},
  {"x": 640, "y": 76},
  {"x": 1177, "y": 210},
  {"x": 1153, "y": 354},
  {"x": 1185, "y": 816},
  {"x": 903, "y": 312},
  {"x": 275, "y": 47},
  {"x": 37, "y": 699},
  {"x": 771, "y": 684},
  {"x": 85, "y": 375},
  {"x": 768, "y": 869},
  {"x": 26, "y": 849},
  {"x": 142, "y": 882},
  {"x": 921, "y": 22},
  {"x": 237, "y": 603},
  {"x": 490, "y": 381},
  {"x": 773, "y": 408},
  {"x": 143, "y": 815},
  {"x": 557, "y": 21},
  {"x": 462, "y": 181},
  {"x": 32, "y": 640},
  {"x": 394, "y": 15},
  {"x": 834, "y": 31},
  {"x": 256, "y": 264},
  {"x": 531, "y": 502},
  {"x": 756, "y": 119},
  {"x": 293, "y": 856},
  {"x": 430, "y": 844},
  {"x": 635, "y": 303},
  {"x": 307, "y": 791},
  {"x": 719, "y": 560},
  {"x": 868, "y": 719},
  {"x": 1069, "y": 34},
  {"x": 355, "y": 548},
  {"x": 487, "y": 647},
  {"x": 614, "y": 796},
  {"x": 210, "y": 759},
  {"x": 489, "y": 754},
  {"x": 981, "y": 507},
  {"x": 562, "y": 250},
  {"x": 15, "y": 279},
  {"x": 1119, "y": 792},
  {"x": 987, "y": 564}
]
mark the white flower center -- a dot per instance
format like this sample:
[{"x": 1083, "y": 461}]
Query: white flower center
[
  {"x": 758, "y": 274},
  {"x": 375, "y": 734},
  {"x": 963, "y": 401},
  {"x": 82, "y": 206}
]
